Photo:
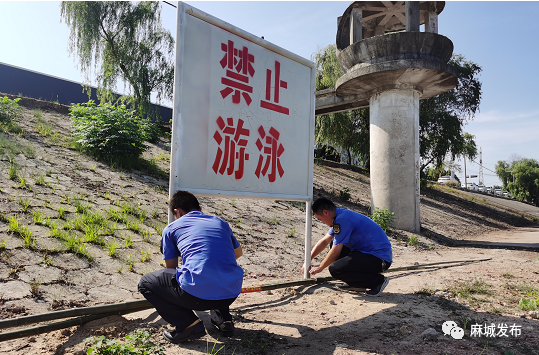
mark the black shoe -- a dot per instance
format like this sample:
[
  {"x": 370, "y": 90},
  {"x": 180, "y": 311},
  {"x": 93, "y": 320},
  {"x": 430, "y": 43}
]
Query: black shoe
[
  {"x": 226, "y": 327},
  {"x": 347, "y": 287},
  {"x": 377, "y": 291},
  {"x": 175, "y": 337}
]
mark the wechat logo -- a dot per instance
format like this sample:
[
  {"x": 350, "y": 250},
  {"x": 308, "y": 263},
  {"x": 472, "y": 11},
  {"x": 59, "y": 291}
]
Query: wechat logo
[{"x": 451, "y": 328}]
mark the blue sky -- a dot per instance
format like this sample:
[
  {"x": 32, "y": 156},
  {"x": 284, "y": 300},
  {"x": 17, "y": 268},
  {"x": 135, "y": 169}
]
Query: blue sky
[{"x": 499, "y": 36}]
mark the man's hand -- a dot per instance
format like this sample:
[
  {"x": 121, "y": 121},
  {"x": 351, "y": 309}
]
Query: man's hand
[
  {"x": 303, "y": 269},
  {"x": 238, "y": 252},
  {"x": 315, "y": 270}
]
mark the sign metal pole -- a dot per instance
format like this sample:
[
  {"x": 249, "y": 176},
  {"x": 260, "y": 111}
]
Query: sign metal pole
[{"x": 308, "y": 232}]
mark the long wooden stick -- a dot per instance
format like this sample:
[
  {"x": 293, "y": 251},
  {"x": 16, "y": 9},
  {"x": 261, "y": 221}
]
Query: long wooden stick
[
  {"x": 325, "y": 279},
  {"x": 76, "y": 312},
  {"x": 97, "y": 312}
]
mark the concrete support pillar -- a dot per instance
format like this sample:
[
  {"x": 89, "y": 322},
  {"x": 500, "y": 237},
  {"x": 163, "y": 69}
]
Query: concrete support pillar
[
  {"x": 356, "y": 25},
  {"x": 431, "y": 22},
  {"x": 394, "y": 149},
  {"x": 412, "y": 16},
  {"x": 346, "y": 38}
]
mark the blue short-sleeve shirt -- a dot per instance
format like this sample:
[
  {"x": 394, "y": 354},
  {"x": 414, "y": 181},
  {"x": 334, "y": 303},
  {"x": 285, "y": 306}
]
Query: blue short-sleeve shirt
[
  {"x": 359, "y": 232},
  {"x": 206, "y": 245}
]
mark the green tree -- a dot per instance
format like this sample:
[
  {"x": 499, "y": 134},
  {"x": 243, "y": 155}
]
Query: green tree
[
  {"x": 122, "y": 40},
  {"x": 520, "y": 178},
  {"x": 502, "y": 168},
  {"x": 347, "y": 130},
  {"x": 441, "y": 118}
]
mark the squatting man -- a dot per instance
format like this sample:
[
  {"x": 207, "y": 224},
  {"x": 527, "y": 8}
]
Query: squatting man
[
  {"x": 208, "y": 279},
  {"x": 360, "y": 250}
]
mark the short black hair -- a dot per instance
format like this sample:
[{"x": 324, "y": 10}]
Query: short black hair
[
  {"x": 184, "y": 200},
  {"x": 322, "y": 204}
]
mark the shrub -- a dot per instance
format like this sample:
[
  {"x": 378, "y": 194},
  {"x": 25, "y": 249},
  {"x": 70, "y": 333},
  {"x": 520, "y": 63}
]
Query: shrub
[
  {"x": 108, "y": 132},
  {"x": 150, "y": 130},
  {"x": 383, "y": 217}
]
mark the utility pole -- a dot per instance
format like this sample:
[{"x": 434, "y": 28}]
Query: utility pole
[
  {"x": 465, "y": 180},
  {"x": 511, "y": 171},
  {"x": 481, "y": 181}
]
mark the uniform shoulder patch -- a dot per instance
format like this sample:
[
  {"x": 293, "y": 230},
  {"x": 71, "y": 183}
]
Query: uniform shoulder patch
[{"x": 336, "y": 228}]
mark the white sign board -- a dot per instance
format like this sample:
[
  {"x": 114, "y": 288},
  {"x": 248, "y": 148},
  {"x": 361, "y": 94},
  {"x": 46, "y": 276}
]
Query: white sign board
[{"x": 243, "y": 121}]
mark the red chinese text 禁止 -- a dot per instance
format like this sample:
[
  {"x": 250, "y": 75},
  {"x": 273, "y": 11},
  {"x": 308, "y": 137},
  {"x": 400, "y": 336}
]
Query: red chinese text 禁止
[
  {"x": 234, "y": 147},
  {"x": 239, "y": 66},
  {"x": 278, "y": 84},
  {"x": 272, "y": 151}
]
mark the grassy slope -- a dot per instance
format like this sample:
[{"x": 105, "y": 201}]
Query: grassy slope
[{"x": 64, "y": 201}]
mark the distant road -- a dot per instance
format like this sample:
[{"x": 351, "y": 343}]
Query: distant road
[{"x": 513, "y": 204}]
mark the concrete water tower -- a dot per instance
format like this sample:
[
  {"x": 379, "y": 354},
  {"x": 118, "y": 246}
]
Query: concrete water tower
[{"x": 390, "y": 65}]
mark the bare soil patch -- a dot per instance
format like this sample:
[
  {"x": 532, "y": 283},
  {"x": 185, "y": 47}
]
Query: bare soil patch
[{"x": 50, "y": 275}]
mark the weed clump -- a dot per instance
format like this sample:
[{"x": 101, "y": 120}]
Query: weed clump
[
  {"x": 527, "y": 304},
  {"x": 137, "y": 342},
  {"x": 9, "y": 111},
  {"x": 383, "y": 217},
  {"x": 413, "y": 240},
  {"x": 469, "y": 288},
  {"x": 345, "y": 194}
]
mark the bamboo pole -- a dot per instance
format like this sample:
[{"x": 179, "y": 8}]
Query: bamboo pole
[
  {"x": 61, "y": 325},
  {"x": 96, "y": 312}
]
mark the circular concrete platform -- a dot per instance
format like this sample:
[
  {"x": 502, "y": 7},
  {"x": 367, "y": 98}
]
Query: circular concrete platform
[
  {"x": 405, "y": 60},
  {"x": 429, "y": 78}
]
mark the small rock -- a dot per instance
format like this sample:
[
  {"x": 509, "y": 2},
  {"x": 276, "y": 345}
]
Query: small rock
[
  {"x": 269, "y": 292},
  {"x": 324, "y": 323},
  {"x": 431, "y": 332},
  {"x": 534, "y": 314},
  {"x": 416, "y": 263},
  {"x": 332, "y": 302},
  {"x": 404, "y": 330},
  {"x": 441, "y": 294},
  {"x": 32, "y": 339},
  {"x": 343, "y": 345}
]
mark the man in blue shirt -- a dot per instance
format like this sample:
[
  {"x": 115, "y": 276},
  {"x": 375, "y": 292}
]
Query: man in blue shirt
[
  {"x": 360, "y": 251},
  {"x": 208, "y": 279}
]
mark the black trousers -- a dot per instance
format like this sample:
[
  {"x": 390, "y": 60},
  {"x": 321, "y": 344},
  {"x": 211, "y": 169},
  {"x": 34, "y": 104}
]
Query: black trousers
[
  {"x": 175, "y": 305},
  {"x": 358, "y": 269}
]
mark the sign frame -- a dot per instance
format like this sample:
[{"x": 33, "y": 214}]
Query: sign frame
[{"x": 184, "y": 10}]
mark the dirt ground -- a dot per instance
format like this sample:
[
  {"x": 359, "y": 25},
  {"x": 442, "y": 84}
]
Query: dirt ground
[{"x": 406, "y": 319}]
